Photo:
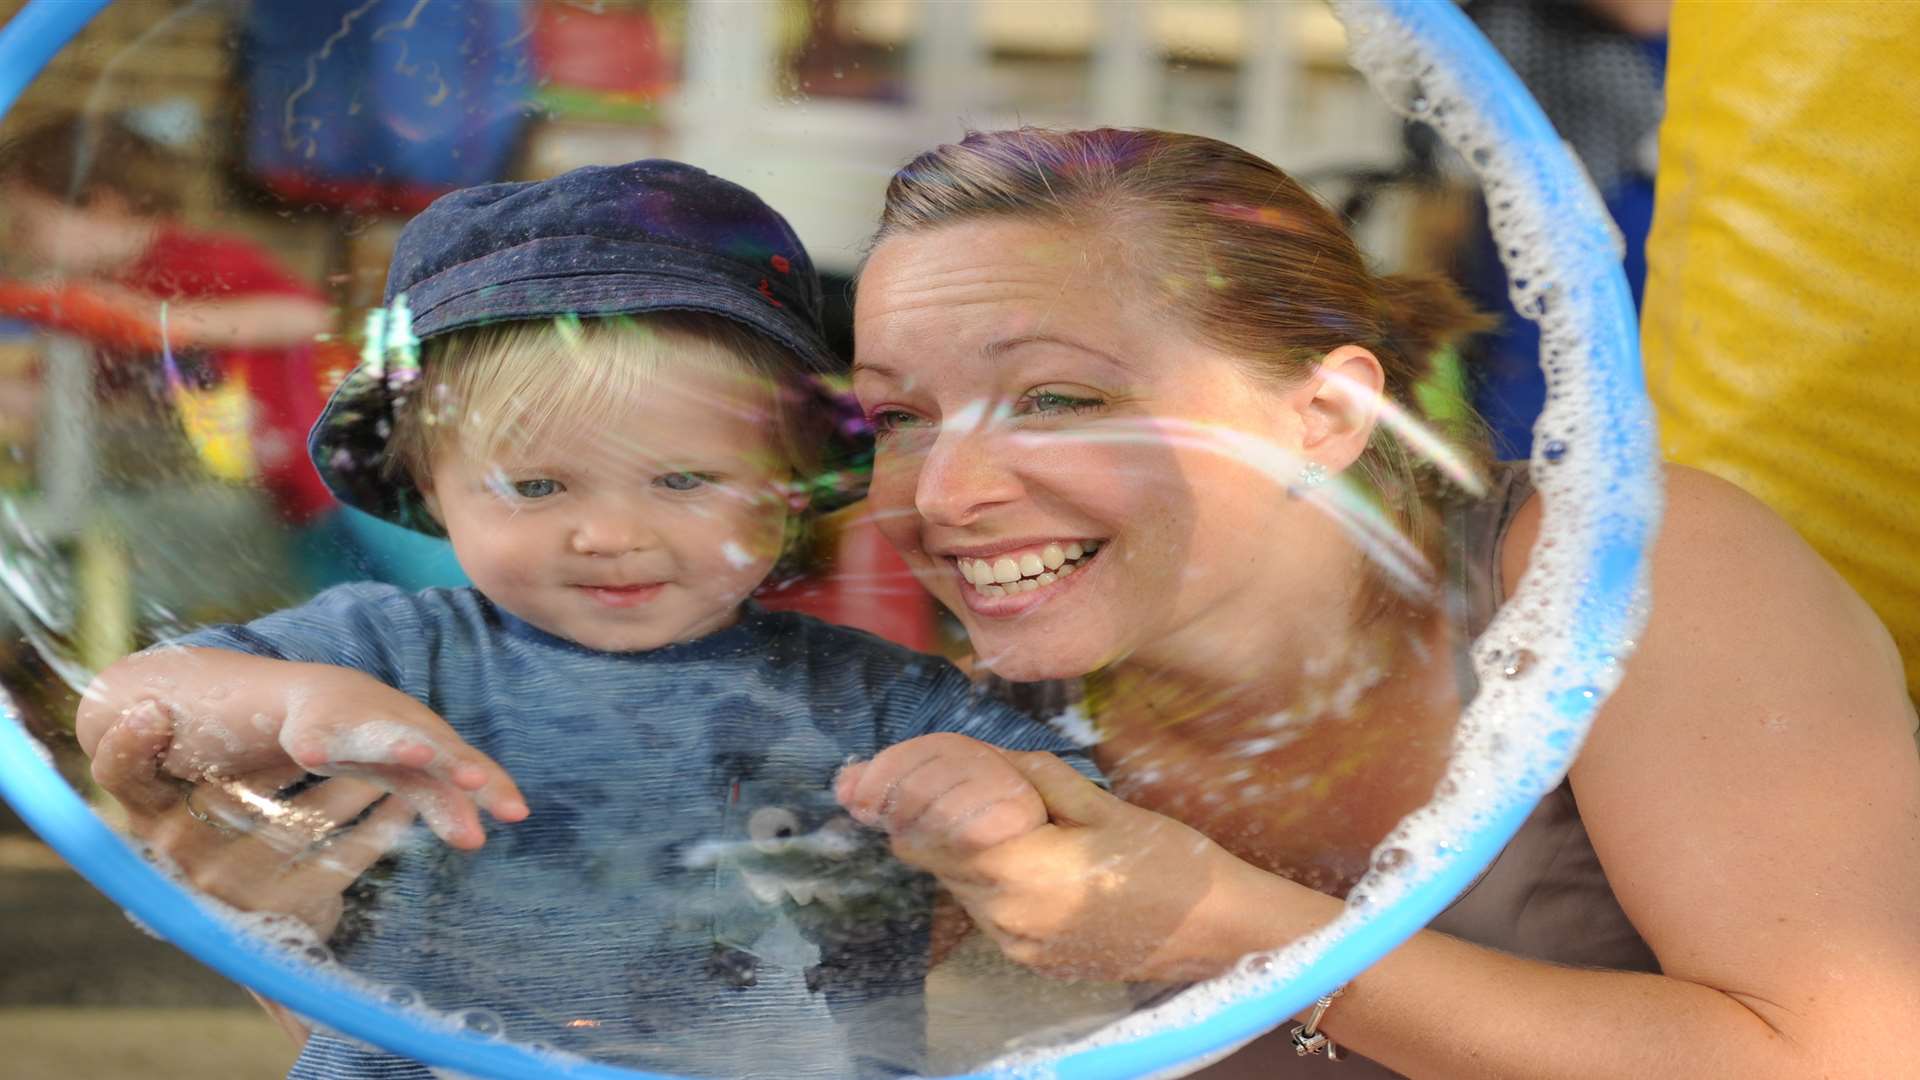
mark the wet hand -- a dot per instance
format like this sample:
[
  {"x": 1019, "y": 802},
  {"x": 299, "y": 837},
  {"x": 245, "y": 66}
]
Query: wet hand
[
  {"x": 945, "y": 793},
  {"x": 1103, "y": 890},
  {"x": 235, "y": 839},
  {"x": 339, "y": 722}
]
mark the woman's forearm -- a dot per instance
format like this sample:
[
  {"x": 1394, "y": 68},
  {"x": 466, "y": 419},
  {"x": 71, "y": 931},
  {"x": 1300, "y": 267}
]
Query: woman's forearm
[
  {"x": 1442, "y": 1007},
  {"x": 1439, "y": 1007}
]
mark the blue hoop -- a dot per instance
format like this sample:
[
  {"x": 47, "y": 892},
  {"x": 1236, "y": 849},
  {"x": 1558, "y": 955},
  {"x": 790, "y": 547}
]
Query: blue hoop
[{"x": 1603, "y": 616}]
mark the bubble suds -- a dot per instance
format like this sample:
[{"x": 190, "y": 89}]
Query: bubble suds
[
  {"x": 370, "y": 742},
  {"x": 1536, "y": 695},
  {"x": 483, "y": 1022},
  {"x": 294, "y": 942},
  {"x": 1074, "y": 725}
]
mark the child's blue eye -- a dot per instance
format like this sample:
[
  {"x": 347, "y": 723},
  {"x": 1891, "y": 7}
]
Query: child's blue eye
[
  {"x": 536, "y": 489},
  {"x": 684, "y": 481}
]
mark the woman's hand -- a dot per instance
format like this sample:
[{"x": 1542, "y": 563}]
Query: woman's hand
[
  {"x": 295, "y": 860},
  {"x": 1107, "y": 890}
]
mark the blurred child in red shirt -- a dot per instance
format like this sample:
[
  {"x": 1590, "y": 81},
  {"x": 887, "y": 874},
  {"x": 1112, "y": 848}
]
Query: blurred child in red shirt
[{"x": 90, "y": 204}]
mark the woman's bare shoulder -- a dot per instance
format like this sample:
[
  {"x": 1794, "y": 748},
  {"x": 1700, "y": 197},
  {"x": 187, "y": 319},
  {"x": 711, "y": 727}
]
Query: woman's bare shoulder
[
  {"x": 1715, "y": 527},
  {"x": 1760, "y": 689}
]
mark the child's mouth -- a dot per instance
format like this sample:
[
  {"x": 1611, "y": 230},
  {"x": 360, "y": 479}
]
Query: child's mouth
[{"x": 622, "y": 595}]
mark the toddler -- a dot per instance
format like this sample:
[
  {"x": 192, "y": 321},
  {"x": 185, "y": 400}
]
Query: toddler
[{"x": 613, "y": 419}]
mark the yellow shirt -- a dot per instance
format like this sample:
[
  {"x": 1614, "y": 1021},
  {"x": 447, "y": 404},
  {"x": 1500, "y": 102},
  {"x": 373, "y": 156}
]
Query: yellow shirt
[{"x": 1783, "y": 294}]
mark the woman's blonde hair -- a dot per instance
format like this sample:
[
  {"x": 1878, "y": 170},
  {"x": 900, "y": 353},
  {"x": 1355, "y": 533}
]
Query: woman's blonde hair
[
  {"x": 1253, "y": 262},
  {"x": 505, "y": 385}
]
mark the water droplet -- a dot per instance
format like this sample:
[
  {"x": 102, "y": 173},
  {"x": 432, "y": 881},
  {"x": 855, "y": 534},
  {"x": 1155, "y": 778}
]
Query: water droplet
[
  {"x": 401, "y": 997},
  {"x": 1555, "y": 451},
  {"x": 1482, "y": 156},
  {"x": 1391, "y": 860},
  {"x": 482, "y": 1022},
  {"x": 1518, "y": 663},
  {"x": 318, "y": 954}
]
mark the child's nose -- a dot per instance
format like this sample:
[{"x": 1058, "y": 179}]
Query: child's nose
[{"x": 612, "y": 534}]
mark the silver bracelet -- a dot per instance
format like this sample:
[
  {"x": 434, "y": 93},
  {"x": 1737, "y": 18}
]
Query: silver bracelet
[{"x": 1308, "y": 1039}]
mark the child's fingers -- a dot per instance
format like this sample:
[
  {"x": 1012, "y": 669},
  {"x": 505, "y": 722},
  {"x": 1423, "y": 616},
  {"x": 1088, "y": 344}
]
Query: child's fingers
[
  {"x": 469, "y": 770},
  {"x": 898, "y": 780},
  {"x": 847, "y": 782},
  {"x": 348, "y": 855},
  {"x": 361, "y": 742},
  {"x": 338, "y": 800},
  {"x": 499, "y": 795},
  {"x": 444, "y": 757},
  {"x": 895, "y": 789},
  {"x": 447, "y": 810},
  {"x": 937, "y": 785},
  {"x": 980, "y": 813}
]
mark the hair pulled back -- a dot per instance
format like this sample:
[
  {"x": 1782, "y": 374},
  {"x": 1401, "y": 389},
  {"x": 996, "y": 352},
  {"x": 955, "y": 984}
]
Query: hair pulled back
[{"x": 1256, "y": 265}]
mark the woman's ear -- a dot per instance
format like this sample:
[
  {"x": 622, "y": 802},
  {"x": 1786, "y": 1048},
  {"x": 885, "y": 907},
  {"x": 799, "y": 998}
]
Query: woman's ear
[{"x": 1339, "y": 406}]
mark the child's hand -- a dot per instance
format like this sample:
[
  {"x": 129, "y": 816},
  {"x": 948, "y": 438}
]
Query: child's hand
[
  {"x": 345, "y": 723},
  {"x": 943, "y": 792},
  {"x": 335, "y": 721}
]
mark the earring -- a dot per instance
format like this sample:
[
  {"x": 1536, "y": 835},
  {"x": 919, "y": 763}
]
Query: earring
[{"x": 1312, "y": 475}]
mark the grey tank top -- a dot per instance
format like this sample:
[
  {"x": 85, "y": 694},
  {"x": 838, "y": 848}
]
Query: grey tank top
[{"x": 1545, "y": 896}]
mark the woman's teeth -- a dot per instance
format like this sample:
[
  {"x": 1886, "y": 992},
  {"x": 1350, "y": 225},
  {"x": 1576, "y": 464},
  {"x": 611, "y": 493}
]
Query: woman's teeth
[{"x": 1026, "y": 572}]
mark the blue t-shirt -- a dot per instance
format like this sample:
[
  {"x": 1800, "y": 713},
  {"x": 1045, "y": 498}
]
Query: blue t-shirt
[{"x": 685, "y": 896}]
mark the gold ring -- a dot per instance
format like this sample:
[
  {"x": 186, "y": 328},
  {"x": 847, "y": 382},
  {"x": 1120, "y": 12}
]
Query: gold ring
[{"x": 203, "y": 817}]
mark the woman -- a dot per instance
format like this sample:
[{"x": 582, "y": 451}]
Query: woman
[
  {"x": 1096, "y": 349},
  {"x": 1693, "y": 900}
]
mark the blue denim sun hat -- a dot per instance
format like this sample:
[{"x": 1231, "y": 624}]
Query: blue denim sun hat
[{"x": 647, "y": 236}]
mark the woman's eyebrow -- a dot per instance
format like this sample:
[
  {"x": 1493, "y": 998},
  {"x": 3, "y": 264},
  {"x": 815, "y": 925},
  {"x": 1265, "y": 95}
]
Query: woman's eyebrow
[
  {"x": 861, "y": 367},
  {"x": 996, "y": 349}
]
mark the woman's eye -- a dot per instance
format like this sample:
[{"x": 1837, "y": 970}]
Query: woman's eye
[
  {"x": 1055, "y": 401},
  {"x": 888, "y": 421},
  {"x": 684, "y": 481},
  {"x": 536, "y": 489}
]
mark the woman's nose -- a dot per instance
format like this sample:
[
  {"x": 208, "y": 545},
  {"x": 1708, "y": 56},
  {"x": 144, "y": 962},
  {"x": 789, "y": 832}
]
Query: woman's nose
[{"x": 963, "y": 474}]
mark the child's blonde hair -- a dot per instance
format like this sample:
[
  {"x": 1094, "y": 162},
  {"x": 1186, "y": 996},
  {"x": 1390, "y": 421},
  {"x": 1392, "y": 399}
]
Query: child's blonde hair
[{"x": 505, "y": 385}]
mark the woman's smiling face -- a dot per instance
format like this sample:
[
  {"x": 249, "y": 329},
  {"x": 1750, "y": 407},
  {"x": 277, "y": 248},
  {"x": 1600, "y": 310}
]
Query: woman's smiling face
[{"x": 1033, "y": 397}]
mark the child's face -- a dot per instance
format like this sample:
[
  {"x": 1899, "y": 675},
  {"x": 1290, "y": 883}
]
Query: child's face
[{"x": 649, "y": 530}]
